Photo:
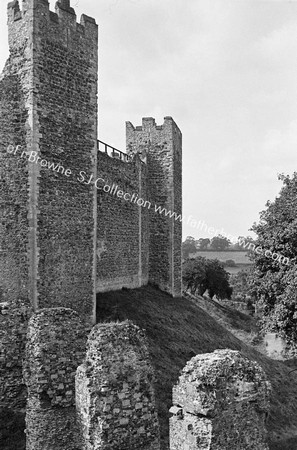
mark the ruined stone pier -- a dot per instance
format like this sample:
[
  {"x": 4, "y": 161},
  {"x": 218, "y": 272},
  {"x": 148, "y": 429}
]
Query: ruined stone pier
[
  {"x": 115, "y": 396},
  {"x": 221, "y": 402}
]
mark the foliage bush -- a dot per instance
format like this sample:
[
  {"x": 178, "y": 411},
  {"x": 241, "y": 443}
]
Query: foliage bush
[
  {"x": 274, "y": 283},
  {"x": 201, "y": 275},
  {"x": 241, "y": 284},
  {"x": 230, "y": 263},
  {"x": 188, "y": 246}
]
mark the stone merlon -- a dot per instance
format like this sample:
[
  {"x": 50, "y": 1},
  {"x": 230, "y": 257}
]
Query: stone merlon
[{"x": 63, "y": 12}]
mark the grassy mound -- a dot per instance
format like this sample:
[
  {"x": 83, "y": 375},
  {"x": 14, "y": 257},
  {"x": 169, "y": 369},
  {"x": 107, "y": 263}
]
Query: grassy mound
[{"x": 177, "y": 330}]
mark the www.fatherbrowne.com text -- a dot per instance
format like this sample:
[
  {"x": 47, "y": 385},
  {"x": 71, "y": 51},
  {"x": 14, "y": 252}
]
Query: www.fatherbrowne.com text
[{"x": 114, "y": 190}]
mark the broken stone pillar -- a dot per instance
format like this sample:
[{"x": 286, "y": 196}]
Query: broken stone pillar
[
  {"x": 14, "y": 318},
  {"x": 55, "y": 347},
  {"x": 115, "y": 396},
  {"x": 220, "y": 402}
]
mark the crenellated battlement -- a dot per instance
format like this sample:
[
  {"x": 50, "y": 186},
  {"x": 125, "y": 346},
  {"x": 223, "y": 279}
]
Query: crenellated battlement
[
  {"x": 54, "y": 64},
  {"x": 99, "y": 224},
  {"x": 64, "y": 5},
  {"x": 37, "y": 14},
  {"x": 149, "y": 123},
  {"x": 161, "y": 147},
  {"x": 14, "y": 12}
]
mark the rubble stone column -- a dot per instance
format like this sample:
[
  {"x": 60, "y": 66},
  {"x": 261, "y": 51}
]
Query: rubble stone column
[
  {"x": 220, "y": 403},
  {"x": 55, "y": 347},
  {"x": 115, "y": 396},
  {"x": 14, "y": 318}
]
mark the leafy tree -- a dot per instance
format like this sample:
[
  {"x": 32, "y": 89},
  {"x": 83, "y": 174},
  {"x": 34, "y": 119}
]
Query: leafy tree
[
  {"x": 220, "y": 243},
  {"x": 201, "y": 275},
  {"x": 240, "y": 283},
  {"x": 188, "y": 246},
  {"x": 242, "y": 241},
  {"x": 194, "y": 275},
  {"x": 203, "y": 243},
  {"x": 273, "y": 280},
  {"x": 217, "y": 280}
]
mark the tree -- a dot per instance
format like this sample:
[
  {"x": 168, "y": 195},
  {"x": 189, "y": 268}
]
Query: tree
[
  {"x": 203, "y": 243},
  {"x": 220, "y": 243},
  {"x": 201, "y": 275},
  {"x": 240, "y": 283},
  {"x": 194, "y": 275},
  {"x": 217, "y": 280},
  {"x": 243, "y": 241},
  {"x": 188, "y": 246},
  {"x": 273, "y": 280}
]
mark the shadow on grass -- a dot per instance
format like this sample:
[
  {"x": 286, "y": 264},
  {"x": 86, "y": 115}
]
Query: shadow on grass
[{"x": 178, "y": 329}]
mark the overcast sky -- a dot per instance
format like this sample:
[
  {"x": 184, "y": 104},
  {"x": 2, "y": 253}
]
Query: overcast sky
[{"x": 226, "y": 71}]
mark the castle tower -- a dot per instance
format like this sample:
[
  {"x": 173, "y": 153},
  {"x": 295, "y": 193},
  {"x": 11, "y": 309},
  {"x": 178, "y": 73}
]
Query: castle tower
[
  {"x": 48, "y": 134},
  {"x": 162, "y": 148}
]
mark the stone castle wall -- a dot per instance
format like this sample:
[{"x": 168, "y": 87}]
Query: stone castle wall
[
  {"x": 50, "y": 193},
  {"x": 161, "y": 147},
  {"x": 136, "y": 243},
  {"x": 62, "y": 237},
  {"x": 59, "y": 246},
  {"x": 14, "y": 182},
  {"x": 122, "y": 233},
  {"x": 66, "y": 68},
  {"x": 49, "y": 111}
]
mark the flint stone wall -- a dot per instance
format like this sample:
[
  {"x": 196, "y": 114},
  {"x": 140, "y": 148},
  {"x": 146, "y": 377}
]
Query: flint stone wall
[
  {"x": 115, "y": 397},
  {"x": 55, "y": 348},
  {"x": 122, "y": 225},
  {"x": 161, "y": 146},
  {"x": 14, "y": 317},
  {"x": 48, "y": 121},
  {"x": 220, "y": 402}
]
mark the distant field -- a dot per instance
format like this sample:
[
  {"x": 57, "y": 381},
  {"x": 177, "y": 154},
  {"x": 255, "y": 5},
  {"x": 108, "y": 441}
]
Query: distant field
[{"x": 237, "y": 257}]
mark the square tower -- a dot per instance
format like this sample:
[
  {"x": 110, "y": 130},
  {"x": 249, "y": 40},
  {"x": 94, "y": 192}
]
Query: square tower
[
  {"x": 48, "y": 122},
  {"x": 161, "y": 146}
]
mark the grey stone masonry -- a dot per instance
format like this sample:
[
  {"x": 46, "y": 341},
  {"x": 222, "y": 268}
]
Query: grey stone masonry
[
  {"x": 14, "y": 318},
  {"x": 48, "y": 121},
  {"x": 161, "y": 147},
  {"x": 74, "y": 221},
  {"x": 55, "y": 348},
  {"x": 115, "y": 397},
  {"x": 220, "y": 402}
]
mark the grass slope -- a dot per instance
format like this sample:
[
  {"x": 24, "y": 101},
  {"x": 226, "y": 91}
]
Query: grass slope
[
  {"x": 243, "y": 326},
  {"x": 177, "y": 330}
]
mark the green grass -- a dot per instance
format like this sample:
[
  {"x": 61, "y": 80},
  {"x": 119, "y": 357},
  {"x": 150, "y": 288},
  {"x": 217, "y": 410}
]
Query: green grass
[
  {"x": 228, "y": 317},
  {"x": 177, "y": 330}
]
